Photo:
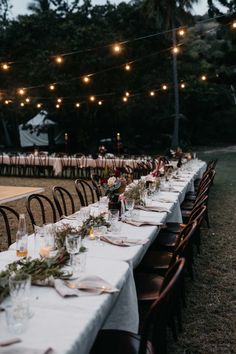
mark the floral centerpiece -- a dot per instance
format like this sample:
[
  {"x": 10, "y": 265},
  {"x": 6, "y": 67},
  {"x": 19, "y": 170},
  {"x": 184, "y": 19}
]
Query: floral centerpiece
[{"x": 113, "y": 188}]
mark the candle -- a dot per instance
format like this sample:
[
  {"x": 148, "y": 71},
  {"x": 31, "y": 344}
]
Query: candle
[
  {"x": 44, "y": 251},
  {"x": 91, "y": 235}
]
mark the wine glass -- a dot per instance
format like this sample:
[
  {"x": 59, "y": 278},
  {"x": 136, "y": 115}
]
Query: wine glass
[
  {"x": 129, "y": 206},
  {"x": 73, "y": 243}
]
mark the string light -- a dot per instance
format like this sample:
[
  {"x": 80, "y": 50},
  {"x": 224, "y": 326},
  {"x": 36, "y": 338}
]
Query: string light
[
  {"x": 127, "y": 67},
  {"x": 127, "y": 94},
  {"x": 182, "y": 85},
  {"x": 86, "y": 79},
  {"x": 5, "y": 66},
  {"x": 203, "y": 77},
  {"x": 59, "y": 60},
  {"x": 39, "y": 105},
  {"x": 77, "y": 105},
  {"x": 6, "y": 101},
  {"x": 21, "y": 91},
  {"x": 92, "y": 98},
  {"x": 99, "y": 103},
  {"x": 22, "y": 104},
  {"x": 125, "y": 99},
  {"x": 27, "y": 100},
  {"x": 52, "y": 87},
  {"x": 59, "y": 100},
  {"x": 58, "y": 106},
  {"x": 234, "y": 25},
  {"x": 175, "y": 50},
  {"x": 152, "y": 93},
  {"x": 116, "y": 48},
  {"x": 164, "y": 87},
  {"x": 181, "y": 32}
]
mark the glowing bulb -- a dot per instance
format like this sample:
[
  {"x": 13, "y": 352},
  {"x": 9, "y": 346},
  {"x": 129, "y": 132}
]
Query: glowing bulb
[
  {"x": 164, "y": 87},
  {"x": 5, "y": 66},
  {"x": 127, "y": 94},
  {"x": 203, "y": 77},
  {"x": 86, "y": 79},
  {"x": 21, "y": 92},
  {"x": 100, "y": 103},
  {"x": 125, "y": 99},
  {"x": 57, "y": 106},
  {"x": 152, "y": 93},
  {"x": 22, "y": 104},
  {"x": 182, "y": 85},
  {"x": 27, "y": 100},
  {"x": 127, "y": 67},
  {"x": 39, "y": 105},
  {"x": 59, "y": 100},
  {"x": 175, "y": 50},
  {"x": 92, "y": 98},
  {"x": 117, "y": 48},
  {"x": 234, "y": 25},
  {"x": 77, "y": 104},
  {"x": 52, "y": 87},
  {"x": 59, "y": 60},
  {"x": 181, "y": 32},
  {"x": 6, "y": 102}
]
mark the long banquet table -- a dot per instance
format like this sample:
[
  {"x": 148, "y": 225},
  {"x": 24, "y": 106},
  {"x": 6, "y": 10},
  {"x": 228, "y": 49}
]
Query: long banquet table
[{"x": 70, "y": 325}]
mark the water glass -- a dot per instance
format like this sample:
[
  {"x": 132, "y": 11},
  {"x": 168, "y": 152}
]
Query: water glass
[
  {"x": 99, "y": 231},
  {"x": 19, "y": 285},
  {"x": 17, "y": 318},
  {"x": 73, "y": 244},
  {"x": 129, "y": 206},
  {"x": 79, "y": 264}
]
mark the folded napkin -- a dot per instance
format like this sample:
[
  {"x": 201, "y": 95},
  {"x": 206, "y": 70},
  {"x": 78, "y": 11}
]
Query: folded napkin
[
  {"x": 118, "y": 241},
  {"x": 64, "y": 290},
  {"x": 152, "y": 208},
  {"x": 91, "y": 284},
  {"x": 142, "y": 222}
]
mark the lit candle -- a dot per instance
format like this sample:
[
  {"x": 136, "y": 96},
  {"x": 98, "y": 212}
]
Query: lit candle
[
  {"x": 91, "y": 235},
  {"x": 44, "y": 251}
]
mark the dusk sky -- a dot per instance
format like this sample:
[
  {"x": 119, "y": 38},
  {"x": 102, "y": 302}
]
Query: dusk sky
[{"x": 20, "y": 6}]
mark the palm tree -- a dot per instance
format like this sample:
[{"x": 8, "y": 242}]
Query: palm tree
[
  {"x": 39, "y": 6},
  {"x": 170, "y": 14}
]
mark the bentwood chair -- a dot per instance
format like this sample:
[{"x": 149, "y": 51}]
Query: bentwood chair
[
  {"x": 85, "y": 192},
  {"x": 63, "y": 200},
  {"x": 9, "y": 216},
  {"x": 152, "y": 339},
  {"x": 41, "y": 209}
]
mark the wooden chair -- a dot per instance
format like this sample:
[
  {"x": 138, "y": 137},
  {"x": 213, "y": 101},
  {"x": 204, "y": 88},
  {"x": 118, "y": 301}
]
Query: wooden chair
[
  {"x": 46, "y": 212},
  {"x": 85, "y": 192},
  {"x": 152, "y": 339},
  {"x": 63, "y": 200},
  {"x": 9, "y": 215}
]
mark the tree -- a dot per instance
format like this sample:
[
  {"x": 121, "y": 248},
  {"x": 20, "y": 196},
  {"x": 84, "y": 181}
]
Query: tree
[
  {"x": 39, "y": 6},
  {"x": 214, "y": 10},
  {"x": 170, "y": 13},
  {"x": 5, "y": 7}
]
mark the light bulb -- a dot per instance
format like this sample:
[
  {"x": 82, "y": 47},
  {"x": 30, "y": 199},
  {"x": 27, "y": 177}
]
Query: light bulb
[
  {"x": 127, "y": 67},
  {"x": 59, "y": 60},
  {"x": 203, "y": 77},
  {"x": 100, "y": 103},
  {"x": 181, "y": 32},
  {"x": 92, "y": 98},
  {"x": 22, "y": 104},
  {"x": 234, "y": 25},
  {"x": 21, "y": 91},
  {"x": 125, "y": 99},
  {"x": 52, "y": 87},
  {"x": 5, "y": 66},
  {"x": 182, "y": 85},
  {"x": 77, "y": 104},
  {"x": 59, "y": 100},
  {"x": 164, "y": 87},
  {"x": 27, "y": 100},
  {"x": 86, "y": 79},
  {"x": 127, "y": 94},
  {"x": 39, "y": 105},
  {"x": 175, "y": 50},
  {"x": 152, "y": 93},
  {"x": 117, "y": 48},
  {"x": 57, "y": 106},
  {"x": 6, "y": 102}
]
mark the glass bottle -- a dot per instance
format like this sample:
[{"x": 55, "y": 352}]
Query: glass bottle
[{"x": 21, "y": 238}]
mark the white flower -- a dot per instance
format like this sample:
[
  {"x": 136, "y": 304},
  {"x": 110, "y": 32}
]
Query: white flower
[{"x": 111, "y": 181}]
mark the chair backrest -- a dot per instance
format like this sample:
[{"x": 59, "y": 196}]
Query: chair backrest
[
  {"x": 85, "y": 192},
  {"x": 41, "y": 209},
  {"x": 158, "y": 315},
  {"x": 183, "y": 250},
  {"x": 197, "y": 214},
  {"x": 63, "y": 200},
  {"x": 95, "y": 178},
  {"x": 8, "y": 214}
]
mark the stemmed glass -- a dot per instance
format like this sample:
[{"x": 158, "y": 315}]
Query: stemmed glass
[
  {"x": 73, "y": 243},
  {"x": 129, "y": 206}
]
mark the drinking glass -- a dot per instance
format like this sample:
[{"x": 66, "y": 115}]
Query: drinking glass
[
  {"x": 19, "y": 286},
  {"x": 99, "y": 231},
  {"x": 79, "y": 264},
  {"x": 17, "y": 318},
  {"x": 129, "y": 206},
  {"x": 73, "y": 243},
  {"x": 114, "y": 220}
]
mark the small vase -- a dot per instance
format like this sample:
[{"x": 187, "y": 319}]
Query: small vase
[{"x": 115, "y": 205}]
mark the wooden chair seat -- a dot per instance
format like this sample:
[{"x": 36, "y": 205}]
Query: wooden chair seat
[
  {"x": 148, "y": 285},
  {"x": 167, "y": 239}
]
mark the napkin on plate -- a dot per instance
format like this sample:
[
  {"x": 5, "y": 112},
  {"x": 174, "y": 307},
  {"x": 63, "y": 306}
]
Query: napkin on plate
[
  {"x": 93, "y": 284},
  {"x": 142, "y": 222},
  {"x": 64, "y": 290},
  {"x": 152, "y": 208},
  {"x": 123, "y": 242}
]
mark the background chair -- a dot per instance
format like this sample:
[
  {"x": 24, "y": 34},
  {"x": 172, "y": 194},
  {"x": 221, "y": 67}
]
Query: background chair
[
  {"x": 85, "y": 192},
  {"x": 46, "y": 212},
  {"x": 63, "y": 200},
  {"x": 9, "y": 216}
]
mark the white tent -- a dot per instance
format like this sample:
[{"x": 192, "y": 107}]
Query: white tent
[{"x": 34, "y": 132}]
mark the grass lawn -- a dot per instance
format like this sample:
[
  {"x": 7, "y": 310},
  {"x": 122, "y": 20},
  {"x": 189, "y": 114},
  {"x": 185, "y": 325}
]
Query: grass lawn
[{"x": 210, "y": 317}]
